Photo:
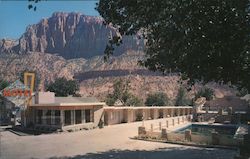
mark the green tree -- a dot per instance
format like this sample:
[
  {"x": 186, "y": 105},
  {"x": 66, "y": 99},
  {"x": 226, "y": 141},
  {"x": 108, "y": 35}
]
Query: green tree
[
  {"x": 121, "y": 92},
  {"x": 63, "y": 87},
  {"x": 182, "y": 97},
  {"x": 204, "y": 40},
  {"x": 157, "y": 99},
  {"x": 110, "y": 100},
  {"x": 32, "y": 4},
  {"x": 134, "y": 101},
  {"x": 208, "y": 93},
  {"x": 3, "y": 84}
]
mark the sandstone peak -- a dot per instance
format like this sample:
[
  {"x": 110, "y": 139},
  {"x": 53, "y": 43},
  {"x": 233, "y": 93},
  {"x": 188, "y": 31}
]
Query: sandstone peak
[{"x": 71, "y": 35}]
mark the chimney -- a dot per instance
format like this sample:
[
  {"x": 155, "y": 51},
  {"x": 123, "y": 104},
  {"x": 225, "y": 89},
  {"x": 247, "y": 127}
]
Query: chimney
[{"x": 44, "y": 97}]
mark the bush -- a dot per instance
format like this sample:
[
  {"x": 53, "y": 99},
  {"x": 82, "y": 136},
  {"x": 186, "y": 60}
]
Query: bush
[
  {"x": 133, "y": 101},
  {"x": 139, "y": 117},
  {"x": 182, "y": 98},
  {"x": 208, "y": 93},
  {"x": 157, "y": 99}
]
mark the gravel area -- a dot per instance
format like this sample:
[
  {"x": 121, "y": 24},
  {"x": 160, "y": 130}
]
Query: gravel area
[{"x": 111, "y": 142}]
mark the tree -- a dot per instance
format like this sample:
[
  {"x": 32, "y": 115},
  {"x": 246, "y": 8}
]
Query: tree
[
  {"x": 208, "y": 93},
  {"x": 63, "y": 87},
  {"x": 121, "y": 92},
  {"x": 157, "y": 99},
  {"x": 3, "y": 84},
  {"x": 32, "y": 4},
  {"x": 134, "y": 101},
  {"x": 182, "y": 98},
  {"x": 110, "y": 100},
  {"x": 203, "y": 40}
]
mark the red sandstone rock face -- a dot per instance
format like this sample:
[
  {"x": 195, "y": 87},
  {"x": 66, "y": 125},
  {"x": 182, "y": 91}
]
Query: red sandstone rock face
[{"x": 72, "y": 35}]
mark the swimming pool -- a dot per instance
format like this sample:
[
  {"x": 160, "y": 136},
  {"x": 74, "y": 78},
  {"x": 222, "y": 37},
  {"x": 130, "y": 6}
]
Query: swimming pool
[{"x": 228, "y": 130}]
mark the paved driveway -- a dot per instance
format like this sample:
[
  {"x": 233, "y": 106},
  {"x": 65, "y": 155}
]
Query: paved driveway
[{"x": 109, "y": 142}]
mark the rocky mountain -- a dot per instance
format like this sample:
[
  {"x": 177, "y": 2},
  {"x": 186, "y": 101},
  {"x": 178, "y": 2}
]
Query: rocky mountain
[
  {"x": 71, "y": 45},
  {"x": 7, "y": 45},
  {"x": 70, "y": 35}
]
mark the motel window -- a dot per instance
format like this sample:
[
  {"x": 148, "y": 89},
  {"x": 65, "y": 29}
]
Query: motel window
[
  {"x": 87, "y": 116},
  {"x": 78, "y": 116},
  {"x": 39, "y": 116},
  {"x": 48, "y": 117},
  {"x": 57, "y": 117},
  {"x": 67, "y": 117}
]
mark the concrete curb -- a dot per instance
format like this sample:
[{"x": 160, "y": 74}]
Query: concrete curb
[{"x": 187, "y": 144}]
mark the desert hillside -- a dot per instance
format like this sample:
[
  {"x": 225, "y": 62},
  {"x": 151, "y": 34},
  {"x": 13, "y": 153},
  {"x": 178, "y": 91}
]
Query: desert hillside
[{"x": 96, "y": 77}]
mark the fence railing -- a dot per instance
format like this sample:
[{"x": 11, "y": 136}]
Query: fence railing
[{"x": 189, "y": 137}]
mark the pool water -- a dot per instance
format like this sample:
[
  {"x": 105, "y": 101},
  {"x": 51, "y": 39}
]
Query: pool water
[{"x": 208, "y": 129}]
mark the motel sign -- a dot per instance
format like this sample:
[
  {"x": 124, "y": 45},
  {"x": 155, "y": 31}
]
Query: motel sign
[{"x": 16, "y": 92}]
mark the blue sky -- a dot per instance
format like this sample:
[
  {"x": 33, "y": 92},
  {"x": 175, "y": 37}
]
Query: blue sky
[{"x": 15, "y": 15}]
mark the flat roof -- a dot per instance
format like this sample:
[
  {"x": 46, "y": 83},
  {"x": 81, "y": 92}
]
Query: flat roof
[
  {"x": 145, "y": 107},
  {"x": 76, "y": 100},
  {"x": 68, "y": 104},
  {"x": 72, "y": 101}
]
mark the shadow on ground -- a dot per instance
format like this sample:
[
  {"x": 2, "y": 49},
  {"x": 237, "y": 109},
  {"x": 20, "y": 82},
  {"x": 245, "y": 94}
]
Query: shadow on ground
[{"x": 163, "y": 153}]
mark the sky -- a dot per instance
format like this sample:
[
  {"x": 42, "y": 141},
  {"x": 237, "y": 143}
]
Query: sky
[{"x": 15, "y": 15}]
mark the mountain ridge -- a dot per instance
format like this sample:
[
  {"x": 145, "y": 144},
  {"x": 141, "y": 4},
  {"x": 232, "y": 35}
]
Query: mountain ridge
[{"x": 71, "y": 35}]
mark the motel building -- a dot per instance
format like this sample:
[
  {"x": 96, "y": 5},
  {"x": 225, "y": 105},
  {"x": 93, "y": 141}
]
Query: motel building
[
  {"x": 50, "y": 113},
  {"x": 44, "y": 112},
  {"x": 76, "y": 113},
  {"x": 124, "y": 114}
]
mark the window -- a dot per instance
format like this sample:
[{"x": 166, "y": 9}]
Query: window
[
  {"x": 48, "y": 117},
  {"x": 67, "y": 117},
  {"x": 87, "y": 116},
  {"x": 57, "y": 117},
  {"x": 78, "y": 116},
  {"x": 39, "y": 116}
]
